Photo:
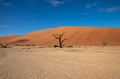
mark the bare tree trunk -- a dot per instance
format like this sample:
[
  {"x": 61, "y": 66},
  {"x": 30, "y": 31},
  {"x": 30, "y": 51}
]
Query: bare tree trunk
[{"x": 60, "y": 43}]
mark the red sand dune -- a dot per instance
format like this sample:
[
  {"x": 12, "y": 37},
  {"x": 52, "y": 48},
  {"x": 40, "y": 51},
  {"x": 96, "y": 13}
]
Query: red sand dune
[{"x": 75, "y": 36}]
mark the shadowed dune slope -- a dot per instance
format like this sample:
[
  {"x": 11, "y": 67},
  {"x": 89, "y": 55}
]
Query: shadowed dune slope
[
  {"x": 75, "y": 36},
  {"x": 7, "y": 39}
]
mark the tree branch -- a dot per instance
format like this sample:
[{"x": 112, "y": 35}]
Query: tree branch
[
  {"x": 63, "y": 40},
  {"x": 56, "y": 36}
]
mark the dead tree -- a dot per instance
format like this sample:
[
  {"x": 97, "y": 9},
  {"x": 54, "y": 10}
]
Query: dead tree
[{"x": 59, "y": 37}]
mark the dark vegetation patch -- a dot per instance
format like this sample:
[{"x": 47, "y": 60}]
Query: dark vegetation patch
[
  {"x": 4, "y": 46},
  {"x": 20, "y": 41}
]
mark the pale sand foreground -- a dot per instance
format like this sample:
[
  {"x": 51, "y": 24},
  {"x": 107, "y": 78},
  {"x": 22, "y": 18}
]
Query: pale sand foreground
[{"x": 55, "y": 63}]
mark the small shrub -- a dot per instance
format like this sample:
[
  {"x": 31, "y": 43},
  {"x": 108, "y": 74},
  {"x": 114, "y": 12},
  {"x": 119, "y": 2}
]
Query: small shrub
[
  {"x": 70, "y": 46},
  {"x": 28, "y": 45},
  {"x": 4, "y": 46},
  {"x": 55, "y": 46},
  {"x": 104, "y": 43},
  {"x": 16, "y": 44}
]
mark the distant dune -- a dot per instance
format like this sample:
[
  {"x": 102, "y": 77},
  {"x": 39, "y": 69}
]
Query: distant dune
[{"x": 75, "y": 36}]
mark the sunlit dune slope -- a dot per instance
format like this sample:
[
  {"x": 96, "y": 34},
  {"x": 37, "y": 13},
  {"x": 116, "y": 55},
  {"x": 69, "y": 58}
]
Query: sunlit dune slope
[{"x": 75, "y": 36}]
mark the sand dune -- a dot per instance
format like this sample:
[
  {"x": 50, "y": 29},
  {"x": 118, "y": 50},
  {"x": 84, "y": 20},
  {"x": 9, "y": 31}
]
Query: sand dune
[
  {"x": 55, "y": 63},
  {"x": 75, "y": 36}
]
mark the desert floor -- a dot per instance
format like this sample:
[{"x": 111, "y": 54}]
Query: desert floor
[{"x": 54, "y": 63}]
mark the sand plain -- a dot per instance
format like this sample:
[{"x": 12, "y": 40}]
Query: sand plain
[{"x": 89, "y": 62}]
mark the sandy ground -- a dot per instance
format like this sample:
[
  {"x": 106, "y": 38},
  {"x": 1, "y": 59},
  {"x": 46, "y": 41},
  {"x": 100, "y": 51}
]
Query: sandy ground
[{"x": 55, "y": 63}]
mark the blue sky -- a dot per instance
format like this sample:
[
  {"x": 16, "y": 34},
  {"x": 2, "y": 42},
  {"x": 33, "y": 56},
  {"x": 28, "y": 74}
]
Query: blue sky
[{"x": 24, "y": 16}]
